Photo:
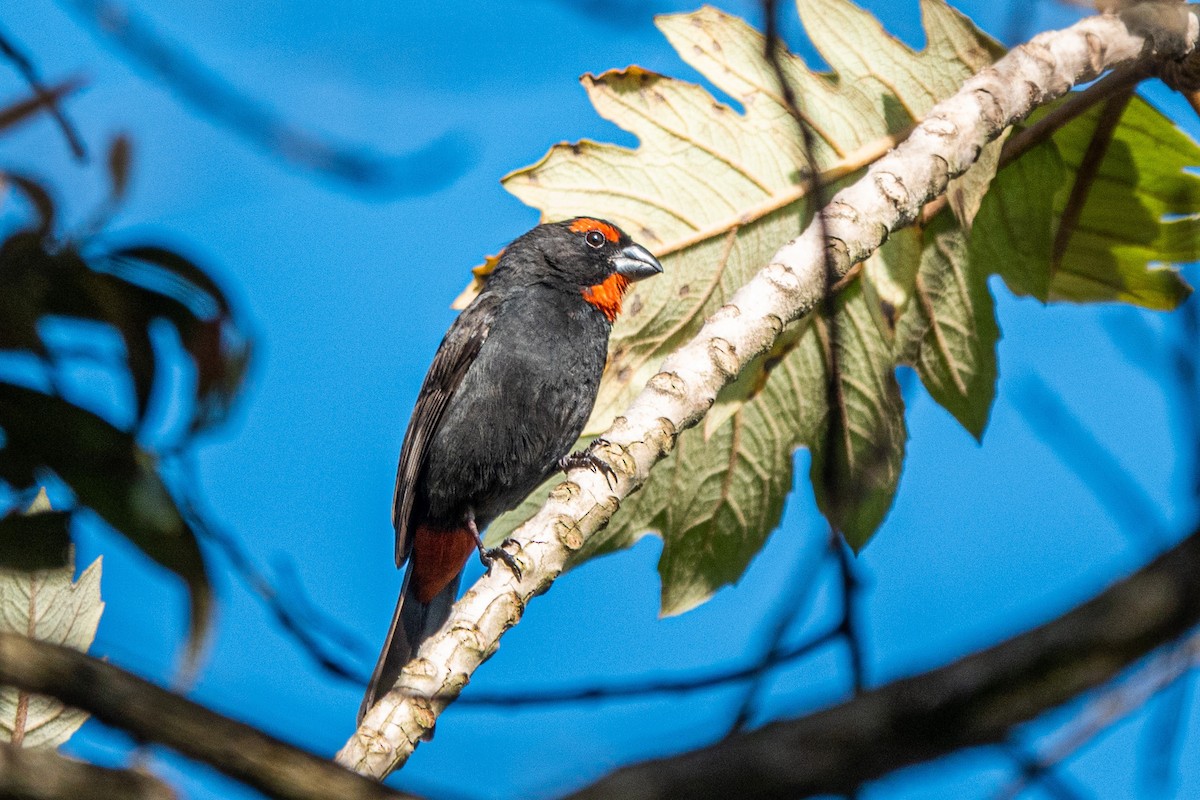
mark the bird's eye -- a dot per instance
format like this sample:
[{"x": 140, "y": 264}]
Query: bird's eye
[{"x": 595, "y": 239}]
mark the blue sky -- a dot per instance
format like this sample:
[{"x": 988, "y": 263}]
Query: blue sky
[{"x": 349, "y": 296}]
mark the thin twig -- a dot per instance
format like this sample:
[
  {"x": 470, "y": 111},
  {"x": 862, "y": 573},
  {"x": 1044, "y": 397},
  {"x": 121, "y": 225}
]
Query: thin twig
[
  {"x": 24, "y": 65},
  {"x": 1086, "y": 174},
  {"x": 835, "y": 425},
  {"x": 648, "y": 686},
  {"x": 796, "y": 596}
]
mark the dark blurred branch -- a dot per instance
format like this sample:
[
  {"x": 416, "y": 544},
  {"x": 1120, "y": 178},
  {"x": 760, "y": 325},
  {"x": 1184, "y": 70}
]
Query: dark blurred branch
[
  {"x": 45, "y": 775},
  {"x": 976, "y": 701},
  {"x": 24, "y": 65},
  {"x": 151, "y": 714},
  {"x": 431, "y": 167}
]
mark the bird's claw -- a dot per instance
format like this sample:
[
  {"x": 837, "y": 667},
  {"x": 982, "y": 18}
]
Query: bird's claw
[
  {"x": 488, "y": 557},
  {"x": 588, "y": 458}
]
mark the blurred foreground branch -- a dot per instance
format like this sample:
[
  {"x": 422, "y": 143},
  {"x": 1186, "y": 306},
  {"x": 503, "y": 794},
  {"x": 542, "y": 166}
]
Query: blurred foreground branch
[
  {"x": 975, "y": 701},
  {"x": 426, "y": 169},
  {"x": 45, "y": 775},
  {"x": 152, "y": 714},
  {"x": 857, "y": 221}
]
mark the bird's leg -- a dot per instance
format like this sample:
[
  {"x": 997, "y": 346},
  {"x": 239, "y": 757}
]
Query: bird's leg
[
  {"x": 488, "y": 555},
  {"x": 588, "y": 458}
]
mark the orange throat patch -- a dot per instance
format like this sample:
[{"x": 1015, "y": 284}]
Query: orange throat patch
[{"x": 607, "y": 295}]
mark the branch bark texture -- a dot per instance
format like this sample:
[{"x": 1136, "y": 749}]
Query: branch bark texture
[
  {"x": 152, "y": 714},
  {"x": 857, "y": 220},
  {"x": 972, "y": 702}
]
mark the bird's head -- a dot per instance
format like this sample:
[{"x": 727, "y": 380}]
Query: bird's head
[{"x": 586, "y": 255}]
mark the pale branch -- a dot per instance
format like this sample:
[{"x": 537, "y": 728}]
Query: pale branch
[
  {"x": 976, "y": 701},
  {"x": 45, "y": 775},
  {"x": 149, "y": 713},
  {"x": 858, "y": 219}
]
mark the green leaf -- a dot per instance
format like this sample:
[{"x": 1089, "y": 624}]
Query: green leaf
[
  {"x": 1126, "y": 225},
  {"x": 858, "y": 455},
  {"x": 714, "y": 193},
  {"x": 949, "y": 334},
  {"x": 49, "y": 606},
  {"x": 109, "y": 473},
  {"x": 1014, "y": 234}
]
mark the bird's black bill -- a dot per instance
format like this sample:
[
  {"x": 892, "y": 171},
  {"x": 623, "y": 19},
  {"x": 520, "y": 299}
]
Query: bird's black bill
[{"x": 635, "y": 263}]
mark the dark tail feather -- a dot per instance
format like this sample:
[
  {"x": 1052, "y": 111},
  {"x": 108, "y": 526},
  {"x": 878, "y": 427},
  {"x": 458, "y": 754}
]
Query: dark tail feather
[{"x": 413, "y": 623}]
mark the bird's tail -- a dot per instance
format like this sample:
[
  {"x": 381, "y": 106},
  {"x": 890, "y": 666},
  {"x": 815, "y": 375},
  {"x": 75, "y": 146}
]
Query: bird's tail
[{"x": 414, "y": 622}]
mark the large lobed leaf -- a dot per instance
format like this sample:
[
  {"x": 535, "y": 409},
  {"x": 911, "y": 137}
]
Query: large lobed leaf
[{"x": 714, "y": 192}]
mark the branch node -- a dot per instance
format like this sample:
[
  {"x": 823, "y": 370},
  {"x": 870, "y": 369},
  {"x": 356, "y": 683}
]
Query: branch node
[
  {"x": 724, "y": 356},
  {"x": 669, "y": 383}
]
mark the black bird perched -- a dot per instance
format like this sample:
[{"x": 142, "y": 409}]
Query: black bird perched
[{"x": 508, "y": 393}]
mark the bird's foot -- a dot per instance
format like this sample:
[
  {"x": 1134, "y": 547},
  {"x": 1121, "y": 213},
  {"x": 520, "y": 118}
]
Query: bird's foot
[
  {"x": 489, "y": 556},
  {"x": 588, "y": 458}
]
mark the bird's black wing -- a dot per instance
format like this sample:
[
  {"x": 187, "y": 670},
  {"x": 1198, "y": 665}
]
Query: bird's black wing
[{"x": 454, "y": 357}]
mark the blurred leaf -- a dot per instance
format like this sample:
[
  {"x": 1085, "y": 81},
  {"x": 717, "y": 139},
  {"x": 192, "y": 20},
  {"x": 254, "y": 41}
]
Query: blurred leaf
[
  {"x": 208, "y": 326},
  {"x": 110, "y": 474},
  {"x": 118, "y": 166},
  {"x": 39, "y": 539},
  {"x": 37, "y": 196},
  {"x": 128, "y": 289},
  {"x": 46, "y": 605}
]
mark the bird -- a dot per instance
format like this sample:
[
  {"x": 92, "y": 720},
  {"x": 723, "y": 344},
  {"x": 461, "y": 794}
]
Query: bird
[{"x": 508, "y": 393}]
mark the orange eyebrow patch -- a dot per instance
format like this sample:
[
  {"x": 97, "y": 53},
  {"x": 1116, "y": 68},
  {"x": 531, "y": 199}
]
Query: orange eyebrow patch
[
  {"x": 585, "y": 224},
  {"x": 607, "y": 295}
]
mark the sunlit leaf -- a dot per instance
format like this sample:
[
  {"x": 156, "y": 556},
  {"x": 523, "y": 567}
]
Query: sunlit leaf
[{"x": 714, "y": 193}]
